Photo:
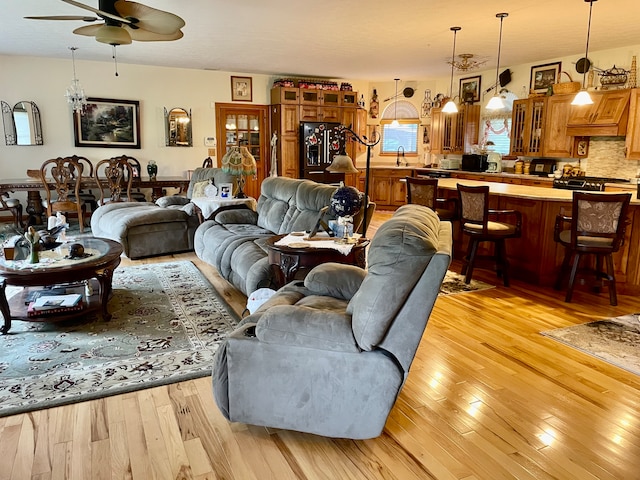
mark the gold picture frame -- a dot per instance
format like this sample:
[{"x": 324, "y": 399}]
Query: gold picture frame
[
  {"x": 241, "y": 89},
  {"x": 470, "y": 89}
]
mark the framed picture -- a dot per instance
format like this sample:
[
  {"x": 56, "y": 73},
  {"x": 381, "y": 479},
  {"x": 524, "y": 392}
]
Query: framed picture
[
  {"x": 470, "y": 89},
  {"x": 241, "y": 89},
  {"x": 226, "y": 189},
  {"x": 543, "y": 76},
  {"x": 108, "y": 123}
]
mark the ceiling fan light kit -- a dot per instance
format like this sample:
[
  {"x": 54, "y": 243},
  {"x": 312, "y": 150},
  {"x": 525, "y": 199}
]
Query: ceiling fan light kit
[{"x": 124, "y": 22}]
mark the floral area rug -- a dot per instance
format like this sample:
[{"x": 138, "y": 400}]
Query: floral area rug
[
  {"x": 167, "y": 324},
  {"x": 614, "y": 340},
  {"x": 454, "y": 283}
]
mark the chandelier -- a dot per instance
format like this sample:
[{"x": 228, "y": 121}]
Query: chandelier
[
  {"x": 466, "y": 63},
  {"x": 75, "y": 93}
]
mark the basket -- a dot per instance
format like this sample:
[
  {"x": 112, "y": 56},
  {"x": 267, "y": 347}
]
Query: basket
[{"x": 566, "y": 87}]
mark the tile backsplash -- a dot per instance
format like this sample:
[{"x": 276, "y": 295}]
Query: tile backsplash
[{"x": 607, "y": 159}]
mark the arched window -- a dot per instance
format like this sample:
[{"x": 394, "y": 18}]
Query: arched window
[{"x": 404, "y": 135}]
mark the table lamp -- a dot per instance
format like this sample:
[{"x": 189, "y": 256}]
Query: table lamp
[{"x": 238, "y": 161}]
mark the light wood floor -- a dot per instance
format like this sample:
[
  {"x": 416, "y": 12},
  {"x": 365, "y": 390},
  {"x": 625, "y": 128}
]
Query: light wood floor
[{"x": 487, "y": 397}]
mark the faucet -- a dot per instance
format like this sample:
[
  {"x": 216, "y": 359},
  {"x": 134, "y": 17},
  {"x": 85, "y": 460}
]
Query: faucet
[{"x": 398, "y": 157}]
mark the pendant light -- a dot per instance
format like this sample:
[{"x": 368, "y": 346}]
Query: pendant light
[
  {"x": 496, "y": 103},
  {"x": 583, "y": 97},
  {"x": 450, "y": 106},
  {"x": 75, "y": 93},
  {"x": 395, "y": 122}
]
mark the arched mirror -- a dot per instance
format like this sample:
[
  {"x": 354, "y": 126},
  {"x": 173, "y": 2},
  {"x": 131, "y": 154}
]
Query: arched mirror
[
  {"x": 22, "y": 124},
  {"x": 178, "y": 127}
]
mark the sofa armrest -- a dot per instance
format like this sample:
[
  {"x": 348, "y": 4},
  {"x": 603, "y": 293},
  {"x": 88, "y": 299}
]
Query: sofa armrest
[
  {"x": 307, "y": 327},
  {"x": 170, "y": 200},
  {"x": 335, "y": 280},
  {"x": 237, "y": 215}
]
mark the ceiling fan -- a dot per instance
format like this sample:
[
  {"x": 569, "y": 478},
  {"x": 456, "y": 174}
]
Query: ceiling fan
[{"x": 124, "y": 21}]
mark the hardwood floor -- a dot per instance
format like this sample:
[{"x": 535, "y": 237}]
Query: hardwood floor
[{"x": 487, "y": 397}]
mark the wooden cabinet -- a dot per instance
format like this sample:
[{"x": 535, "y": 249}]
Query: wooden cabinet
[
  {"x": 285, "y": 124},
  {"x": 527, "y": 124},
  {"x": 291, "y": 105},
  {"x": 607, "y": 116},
  {"x": 386, "y": 187},
  {"x": 455, "y": 132},
  {"x": 556, "y": 142},
  {"x": 632, "y": 142}
]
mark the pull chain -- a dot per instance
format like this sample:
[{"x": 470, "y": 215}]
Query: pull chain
[{"x": 115, "y": 59}]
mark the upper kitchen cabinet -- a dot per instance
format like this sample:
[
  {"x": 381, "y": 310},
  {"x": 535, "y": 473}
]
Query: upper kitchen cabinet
[
  {"x": 455, "y": 132},
  {"x": 556, "y": 143},
  {"x": 527, "y": 126},
  {"x": 607, "y": 116},
  {"x": 632, "y": 142}
]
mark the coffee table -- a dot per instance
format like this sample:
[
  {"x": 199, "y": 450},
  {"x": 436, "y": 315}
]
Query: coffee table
[
  {"x": 97, "y": 268},
  {"x": 291, "y": 262}
]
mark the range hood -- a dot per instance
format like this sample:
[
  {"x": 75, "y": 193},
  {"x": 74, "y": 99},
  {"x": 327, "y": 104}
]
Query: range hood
[{"x": 607, "y": 117}]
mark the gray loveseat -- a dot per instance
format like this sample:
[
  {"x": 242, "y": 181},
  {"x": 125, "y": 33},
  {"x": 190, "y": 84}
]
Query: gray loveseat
[
  {"x": 234, "y": 242},
  {"x": 329, "y": 356},
  {"x": 145, "y": 228}
]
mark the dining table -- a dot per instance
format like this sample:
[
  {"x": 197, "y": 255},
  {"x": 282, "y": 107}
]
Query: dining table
[{"x": 33, "y": 187}]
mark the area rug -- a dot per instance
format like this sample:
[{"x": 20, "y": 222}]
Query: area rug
[
  {"x": 167, "y": 323},
  {"x": 454, "y": 283},
  {"x": 614, "y": 340}
]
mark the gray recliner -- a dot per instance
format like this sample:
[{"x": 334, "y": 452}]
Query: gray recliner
[{"x": 329, "y": 356}]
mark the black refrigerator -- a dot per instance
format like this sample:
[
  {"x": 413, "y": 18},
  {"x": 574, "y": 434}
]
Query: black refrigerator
[{"x": 319, "y": 143}]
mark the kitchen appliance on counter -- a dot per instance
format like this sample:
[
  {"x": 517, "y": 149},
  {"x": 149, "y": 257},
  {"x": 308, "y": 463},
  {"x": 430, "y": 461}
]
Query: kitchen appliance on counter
[
  {"x": 542, "y": 166},
  {"x": 450, "y": 163},
  {"x": 320, "y": 142},
  {"x": 494, "y": 162},
  {"x": 474, "y": 162},
  {"x": 593, "y": 184}
]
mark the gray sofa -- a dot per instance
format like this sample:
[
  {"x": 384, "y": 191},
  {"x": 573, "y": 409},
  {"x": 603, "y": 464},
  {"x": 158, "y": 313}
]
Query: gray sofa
[
  {"x": 329, "y": 356},
  {"x": 145, "y": 229},
  {"x": 234, "y": 242}
]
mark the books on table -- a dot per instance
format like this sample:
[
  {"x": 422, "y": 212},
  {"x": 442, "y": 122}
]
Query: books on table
[{"x": 50, "y": 304}]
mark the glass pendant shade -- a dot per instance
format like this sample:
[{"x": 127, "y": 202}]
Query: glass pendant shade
[
  {"x": 583, "y": 97},
  {"x": 450, "y": 106},
  {"x": 496, "y": 103}
]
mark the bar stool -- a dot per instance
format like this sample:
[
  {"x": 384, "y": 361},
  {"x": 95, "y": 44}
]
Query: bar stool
[
  {"x": 474, "y": 222},
  {"x": 597, "y": 226},
  {"x": 424, "y": 191}
]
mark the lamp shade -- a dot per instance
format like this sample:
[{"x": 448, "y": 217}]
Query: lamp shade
[
  {"x": 342, "y": 164},
  {"x": 232, "y": 161},
  {"x": 495, "y": 103},
  {"x": 113, "y": 35},
  {"x": 249, "y": 166}
]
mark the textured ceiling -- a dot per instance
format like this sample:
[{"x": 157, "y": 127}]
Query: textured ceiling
[{"x": 372, "y": 40}]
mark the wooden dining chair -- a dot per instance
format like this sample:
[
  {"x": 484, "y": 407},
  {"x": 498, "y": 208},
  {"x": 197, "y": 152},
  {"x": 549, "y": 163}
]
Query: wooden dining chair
[
  {"x": 424, "y": 191},
  {"x": 13, "y": 205},
  {"x": 62, "y": 178},
  {"x": 482, "y": 224},
  {"x": 597, "y": 227},
  {"x": 137, "y": 195},
  {"x": 86, "y": 195},
  {"x": 115, "y": 176},
  {"x": 207, "y": 163}
]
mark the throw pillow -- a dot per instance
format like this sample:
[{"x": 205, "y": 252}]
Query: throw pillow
[
  {"x": 335, "y": 280},
  {"x": 198, "y": 189}
]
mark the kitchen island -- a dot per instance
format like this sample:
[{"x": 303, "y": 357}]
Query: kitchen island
[{"x": 536, "y": 257}]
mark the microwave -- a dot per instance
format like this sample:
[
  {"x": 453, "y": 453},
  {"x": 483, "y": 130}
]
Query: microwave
[{"x": 474, "y": 163}]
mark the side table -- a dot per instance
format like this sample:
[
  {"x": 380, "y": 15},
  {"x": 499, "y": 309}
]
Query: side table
[{"x": 289, "y": 263}]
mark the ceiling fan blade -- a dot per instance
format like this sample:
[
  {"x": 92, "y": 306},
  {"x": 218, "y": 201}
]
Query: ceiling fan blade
[
  {"x": 100, "y": 13},
  {"x": 64, "y": 17},
  {"x": 140, "y": 35},
  {"x": 89, "y": 30},
  {"x": 150, "y": 19}
]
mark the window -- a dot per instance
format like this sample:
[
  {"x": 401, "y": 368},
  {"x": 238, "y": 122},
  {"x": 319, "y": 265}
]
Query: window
[
  {"x": 404, "y": 135},
  {"x": 499, "y": 132}
]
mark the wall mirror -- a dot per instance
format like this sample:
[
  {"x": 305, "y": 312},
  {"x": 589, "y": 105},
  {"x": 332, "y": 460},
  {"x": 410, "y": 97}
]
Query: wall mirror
[
  {"x": 22, "y": 124},
  {"x": 178, "y": 127}
]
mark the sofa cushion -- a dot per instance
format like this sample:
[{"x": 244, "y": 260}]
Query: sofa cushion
[
  {"x": 335, "y": 280},
  {"x": 398, "y": 255},
  {"x": 198, "y": 189}
]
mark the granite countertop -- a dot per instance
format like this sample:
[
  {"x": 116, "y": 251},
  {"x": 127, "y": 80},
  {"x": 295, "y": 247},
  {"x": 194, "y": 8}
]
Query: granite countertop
[{"x": 519, "y": 191}]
